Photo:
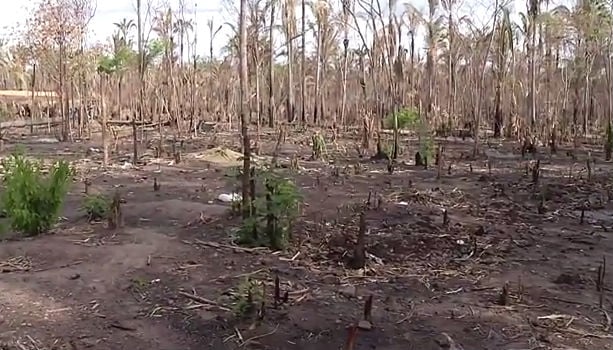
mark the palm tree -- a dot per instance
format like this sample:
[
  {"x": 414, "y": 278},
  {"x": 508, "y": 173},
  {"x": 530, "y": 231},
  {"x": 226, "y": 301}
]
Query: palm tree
[
  {"x": 106, "y": 67},
  {"x": 122, "y": 55},
  {"x": 124, "y": 27},
  {"x": 141, "y": 78},
  {"x": 504, "y": 38},
  {"x": 213, "y": 33},
  {"x": 321, "y": 12},
  {"x": 271, "y": 66},
  {"x": 303, "y": 65},
  {"x": 533, "y": 13},
  {"x": 182, "y": 27},
  {"x": 347, "y": 8},
  {"x": 289, "y": 25},
  {"x": 413, "y": 19},
  {"x": 448, "y": 6},
  {"x": 433, "y": 40}
]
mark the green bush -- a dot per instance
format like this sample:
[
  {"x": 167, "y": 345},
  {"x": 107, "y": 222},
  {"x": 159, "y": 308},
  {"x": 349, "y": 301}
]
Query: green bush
[
  {"x": 426, "y": 148},
  {"x": 274, "y": 212},
  {"x": 96, "y": 207},
  {"x": 407, "y": 119},
  {"x": 387, "y": 148},
  {"x": 249, "y": 296},
  {"x": 31, "y": 200}
]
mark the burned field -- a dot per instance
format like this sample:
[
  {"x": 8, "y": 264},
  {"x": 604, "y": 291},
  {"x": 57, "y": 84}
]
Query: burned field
[{"x": 477, "y": 253}]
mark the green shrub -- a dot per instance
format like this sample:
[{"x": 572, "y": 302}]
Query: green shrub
[
  {"x": 249, "y": 296},
  {"x": 388, "y": 149},
  {"x": 96, "y": 207},
  {"x": 407, "y": 119},
  {"x": 274, "y": 212},
  {"x": 31, "y": 200},
  {"x": 318, "y": 147},
  {"x": 426, "y": 148}
]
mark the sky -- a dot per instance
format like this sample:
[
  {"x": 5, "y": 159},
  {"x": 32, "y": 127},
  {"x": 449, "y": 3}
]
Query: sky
[{"x": 110, "y": 11}]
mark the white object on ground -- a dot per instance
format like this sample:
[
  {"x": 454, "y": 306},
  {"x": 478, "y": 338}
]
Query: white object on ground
[
  {"x": 126, "y": 165},
  {"x": 229, "y": 197}
]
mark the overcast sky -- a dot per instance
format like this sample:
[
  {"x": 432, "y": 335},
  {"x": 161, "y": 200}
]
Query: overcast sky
[{"x": 109, "y": 11}]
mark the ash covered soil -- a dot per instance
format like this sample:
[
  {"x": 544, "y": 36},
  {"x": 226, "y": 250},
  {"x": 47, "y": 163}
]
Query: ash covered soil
[{"x": 478, "y": 258}]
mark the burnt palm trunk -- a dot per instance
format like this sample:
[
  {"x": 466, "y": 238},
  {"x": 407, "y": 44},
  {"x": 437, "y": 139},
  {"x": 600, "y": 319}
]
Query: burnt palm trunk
[
  {"x": 271, "y": 72},
  {"x": 244, "y": 110},
  {"x": 498, "y": 110}
]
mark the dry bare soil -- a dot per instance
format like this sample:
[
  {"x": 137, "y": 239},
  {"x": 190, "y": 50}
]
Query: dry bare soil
[{"x": 434, "y": 284}]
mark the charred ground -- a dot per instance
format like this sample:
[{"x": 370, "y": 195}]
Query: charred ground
[{"x": 512, "y": 265}]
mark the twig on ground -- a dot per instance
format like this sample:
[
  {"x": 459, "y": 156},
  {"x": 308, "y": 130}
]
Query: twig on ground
[
  {"x": 587, "y": 335},
  {"x": 300, "y": 298},
  {"x": 228, "y": 246},
  {"x": 259, "y": 337},
  {"x": 238, "y": 334},
  {"x": 74, "y": 263},
  {"x": 564, "y": 300},
  {"x": 203, "y": 300},
  {"x": 122, "y": 327},
  {"x": 292, "y": 258},
  {"x": 241, "y": 275},
  {"x": 409, "y": 315},
  {"x": 297, "y": 292},
  {"x": 228, "y": 338},
  {"x": 607, "y": 325},
  {"x": 406, "y": 318}
]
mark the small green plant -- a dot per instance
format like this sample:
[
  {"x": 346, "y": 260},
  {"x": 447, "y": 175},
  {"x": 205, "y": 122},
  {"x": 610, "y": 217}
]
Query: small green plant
[
  {"x": 318, "y": 150},
  {"x": 4, "y": 112},
  {"x": 139, "y": 284},
  {"x": 273, "y": 212},
  {"x": 248, "y": 297},
  {"x": 96, "y": 207},
  {"x": 31, "y": 200},
  {"x": 407, "y": 119},
  {"x": 388, "y": 149},
  {"x": 426, "y": 148}
]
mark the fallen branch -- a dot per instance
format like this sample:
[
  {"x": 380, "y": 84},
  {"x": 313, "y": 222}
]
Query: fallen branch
[
  {"x": 587, "y": 335},
  {"x": 607, "y": 325},
  {"x": 565, "y": 300},
  {"x": 202, "y": 300},
  {"x": 74, "y": 263},
  {"x": 122, "y": 327},
  {"x": 259, "y": 337},
  {"x": 228, "y": 246},
  {"x": 117, "y": 122},
  {"x": 242, "y": 275}
]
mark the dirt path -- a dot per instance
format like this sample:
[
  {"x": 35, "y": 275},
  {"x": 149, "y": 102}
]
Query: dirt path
[{"x": 85, "y": 289}]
